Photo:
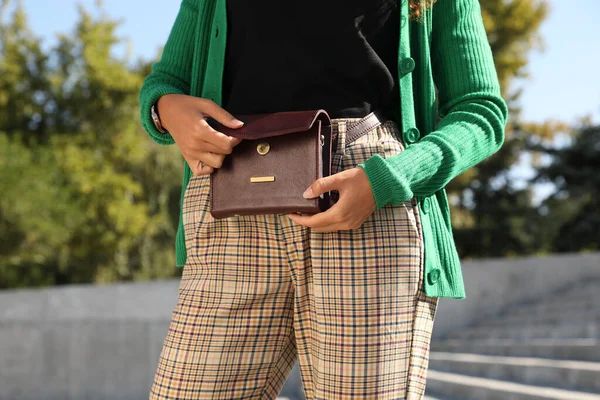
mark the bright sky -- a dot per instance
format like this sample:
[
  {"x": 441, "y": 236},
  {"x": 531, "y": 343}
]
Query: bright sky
[{"x": 564, "y": 83}]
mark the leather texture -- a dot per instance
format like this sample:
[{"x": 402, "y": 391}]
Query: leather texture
[
  {"x": 258, "y": 126},
  {"x": 364, "y": 125},
  {"x": 287, "y": 152},
  {"x": 294, "y": 160}
]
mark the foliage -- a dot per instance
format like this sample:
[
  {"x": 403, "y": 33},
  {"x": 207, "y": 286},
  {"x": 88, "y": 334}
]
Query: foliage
[
  {"x": 85, "y": 195},
  {"x": 574, "y": 208}
]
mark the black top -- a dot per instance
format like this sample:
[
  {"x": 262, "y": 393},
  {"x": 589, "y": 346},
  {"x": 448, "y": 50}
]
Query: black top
[{"x": 299, "y": 55}]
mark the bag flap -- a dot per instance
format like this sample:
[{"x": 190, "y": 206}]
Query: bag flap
[{"x": 258, "y": 126}]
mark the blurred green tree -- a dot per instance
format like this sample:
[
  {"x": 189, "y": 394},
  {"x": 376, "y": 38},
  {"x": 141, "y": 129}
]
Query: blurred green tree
[
  {"x": 573, "y": 210},
  {"x": 86, "y": 196},
  {"x": 491, "y": 214}
]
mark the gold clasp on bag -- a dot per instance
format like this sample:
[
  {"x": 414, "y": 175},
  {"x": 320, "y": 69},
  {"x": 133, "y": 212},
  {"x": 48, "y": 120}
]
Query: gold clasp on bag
[
  {"x": 263, "y": 148},
  {"x": 259, "y": 179}
]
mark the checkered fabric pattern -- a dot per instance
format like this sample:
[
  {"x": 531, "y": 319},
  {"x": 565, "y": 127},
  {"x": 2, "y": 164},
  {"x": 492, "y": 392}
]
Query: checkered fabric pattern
[{"x": 259, "y": 292}]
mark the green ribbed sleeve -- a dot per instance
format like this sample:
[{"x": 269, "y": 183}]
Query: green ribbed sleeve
[
  {"x": 172, "y": 73},
  {"x": 473, "y": 113}
]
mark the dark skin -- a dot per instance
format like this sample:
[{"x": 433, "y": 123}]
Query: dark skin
[
  {"x": 204, "y": 149},
  {"x": 355, "y": 205}
]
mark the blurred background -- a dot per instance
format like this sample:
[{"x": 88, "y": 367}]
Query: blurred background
[{"x": 89, "y": 208}]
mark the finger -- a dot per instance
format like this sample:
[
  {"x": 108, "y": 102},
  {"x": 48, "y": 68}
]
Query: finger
[
  {"x": 306, "y": 223},
  {"x": 235, "y": 141},
  {"x": 212, "y": 159},
  {"x": 340, "y": 226},
  {"x": 208, "y": 134},
  {"x": 198, "y": 168},
  {"x": 322, "y": 220},
  {"x": 221, "y": 115},
  {"x": 322, "y": 185},
  {"x": 207, "y": 147},
  {"x": 206, "y": 170},
  {"x": 331, "y": 228}
]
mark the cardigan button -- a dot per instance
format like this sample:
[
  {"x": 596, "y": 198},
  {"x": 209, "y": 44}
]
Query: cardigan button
[
  {"x": 411, "y": 136},
  {"x": 407, "y": 65},
  {"x": 426, "y": 205},
  {"x": 434, "y": 276}
]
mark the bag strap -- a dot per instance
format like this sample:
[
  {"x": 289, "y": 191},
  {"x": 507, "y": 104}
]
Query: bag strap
[{"x": 364, "y": 125}]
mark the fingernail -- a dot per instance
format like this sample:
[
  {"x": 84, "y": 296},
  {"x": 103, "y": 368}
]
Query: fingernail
[
  {"x": 237, "y": 122},
  {"x": 308, "y": 194}
]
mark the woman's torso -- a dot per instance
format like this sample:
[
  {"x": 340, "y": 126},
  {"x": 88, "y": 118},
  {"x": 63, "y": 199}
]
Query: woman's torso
[{"x": 283, "y": 56}]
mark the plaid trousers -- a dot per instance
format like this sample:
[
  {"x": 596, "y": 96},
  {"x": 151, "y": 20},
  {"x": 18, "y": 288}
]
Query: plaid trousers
[{"x": 260, "y": 292}]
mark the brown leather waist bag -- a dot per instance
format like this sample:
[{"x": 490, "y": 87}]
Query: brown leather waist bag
[{"x": 280, "y": 156}]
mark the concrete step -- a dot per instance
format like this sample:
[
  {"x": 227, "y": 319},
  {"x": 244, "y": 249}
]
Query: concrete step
[
  {"x": 557, "y": 318},
  {"x": 588, "y": 295},
  {"x": 564, "y": 349},
  {"x": 563, "y": 306},
  {"x": 473, "y": 388},
  {"x": 530, "y": 331},
  {"x": 562, "y": 374},
  {"x": 582, "y": 288}
]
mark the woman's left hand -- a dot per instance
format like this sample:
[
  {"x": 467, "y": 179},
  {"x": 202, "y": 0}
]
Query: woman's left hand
[{"x": 355, "y": 205}]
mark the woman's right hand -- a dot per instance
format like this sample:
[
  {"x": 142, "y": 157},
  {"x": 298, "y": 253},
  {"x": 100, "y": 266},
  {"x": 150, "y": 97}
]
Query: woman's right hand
[{"x": 204, "y": 148}]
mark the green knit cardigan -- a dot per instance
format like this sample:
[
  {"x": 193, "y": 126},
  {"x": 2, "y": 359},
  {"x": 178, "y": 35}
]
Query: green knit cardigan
[{"x": 445, "y": 53}]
